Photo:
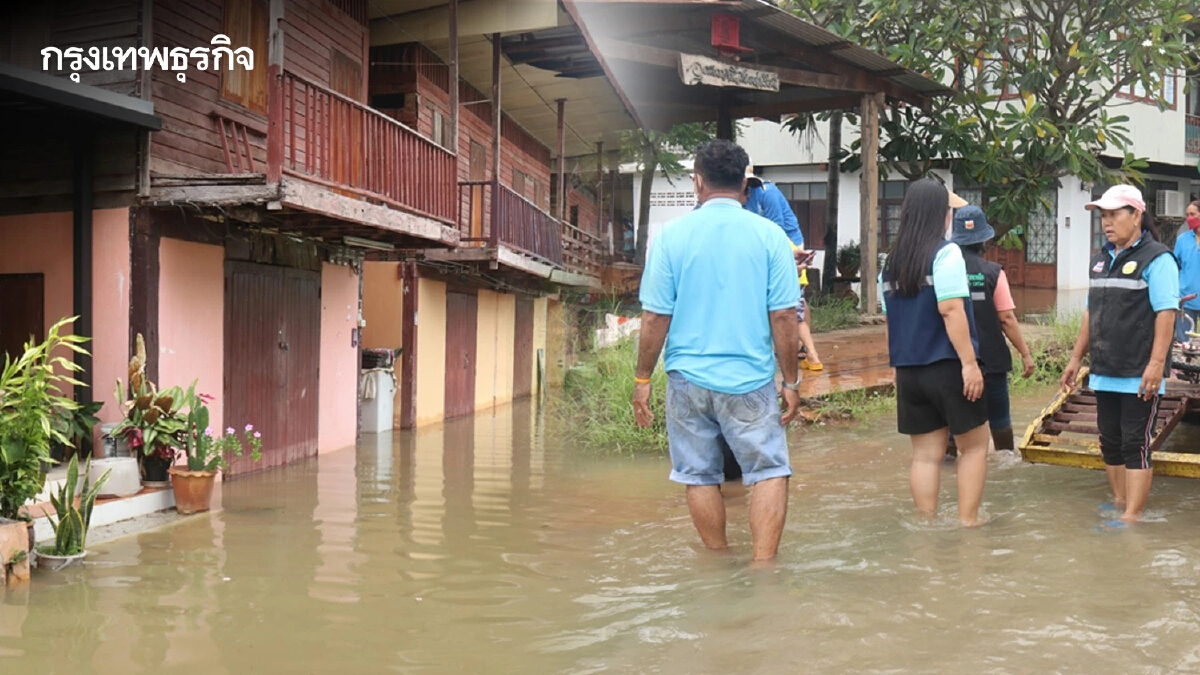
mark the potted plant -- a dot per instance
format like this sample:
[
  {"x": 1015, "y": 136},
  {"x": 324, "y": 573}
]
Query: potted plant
[
  {"x": 76, "y": 425},
  {"x": 30, "y": 393},
  {"x": 70, "y": 523},
  {"x": 205, "y": 452},
  {"x": 153, "y": 425},
  {"x": 849, "y": 257}
]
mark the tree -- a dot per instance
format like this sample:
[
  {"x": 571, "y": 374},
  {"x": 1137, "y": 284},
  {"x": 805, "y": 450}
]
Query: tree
[
  {"x": 1035, "y": 81},
  {"x": 656, "y": 151}
]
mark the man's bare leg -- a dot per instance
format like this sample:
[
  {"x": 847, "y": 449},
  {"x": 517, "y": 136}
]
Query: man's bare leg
[
  {"x": 1137, "y": 491},
  {"x": 925, "y": 475},
  {"x": 972, "y": 473},
  {"x": 708, "y": 514},
  {"x": 1116, "y": 481},
  {"x": 768, "y": 512}
]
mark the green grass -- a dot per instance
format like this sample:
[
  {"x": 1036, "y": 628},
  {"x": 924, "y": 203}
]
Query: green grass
[
  {"x": 1051, "y": 352},
  {"x": 599, "y": 409},
  {"x": 826, "y": 314},
  {"x": 859, "y": 406}
]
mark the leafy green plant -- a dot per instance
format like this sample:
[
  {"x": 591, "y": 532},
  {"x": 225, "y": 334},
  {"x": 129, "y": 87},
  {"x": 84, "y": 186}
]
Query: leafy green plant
[
  {"x": 153, "y": 421},
  {"x": 71, "y": 523},
  {"x": 205, "y": 449},
  {"x": 828, "y": 313},
  {"x": 599, "y": 393},
  {"x": 30, "y": 393},
  {"x": 77, "y": 425},
  {"x": 849, "y": 256}
]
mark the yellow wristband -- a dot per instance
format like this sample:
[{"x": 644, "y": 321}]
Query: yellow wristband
[{"x": 640, "y": 380}]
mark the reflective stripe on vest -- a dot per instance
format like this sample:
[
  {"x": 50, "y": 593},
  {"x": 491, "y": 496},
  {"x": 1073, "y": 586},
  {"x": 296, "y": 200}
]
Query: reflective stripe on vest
[
  {"x": 889, "y": 286},
  {"x": 1124, "y": 284}
]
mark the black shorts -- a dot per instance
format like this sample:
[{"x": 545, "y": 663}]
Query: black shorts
[
  {"x": 929, "y": 398},
  {"x": 1127, "y": 425}
]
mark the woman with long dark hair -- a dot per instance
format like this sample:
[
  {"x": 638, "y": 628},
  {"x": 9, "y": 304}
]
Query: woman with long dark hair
[{"x": 932, "y": 346}]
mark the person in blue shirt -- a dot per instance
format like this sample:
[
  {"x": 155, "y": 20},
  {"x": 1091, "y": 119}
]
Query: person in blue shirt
[
  {"x": 933, "y": 347},
  {"x": 720, "y": 288},
  {"x": 1187, "y": 253},
  {"x": 1127, "y": 328},
  {"x": 765, "y": 199}
]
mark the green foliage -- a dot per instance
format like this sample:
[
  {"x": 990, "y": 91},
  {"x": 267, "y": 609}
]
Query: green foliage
[
  {"x": 850, "y": 255},
  {"x": 30, "y": 395},
  {"x": 826, "y": 313},
  {"x": 71, "y": 523},
  {"x": 77, "y": 425},
  {"x": 1050, "y": 351},
  {"x": 668, "y": 148},
  {"x": 600, "y": 393},
  {"x": 153, "y": 420},
  {"x": 1033, "y": 84},
  {"x": 205, "y": 449}
]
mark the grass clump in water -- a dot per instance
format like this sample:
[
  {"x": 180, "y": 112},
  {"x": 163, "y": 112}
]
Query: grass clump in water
[
  {"x": 853, "y": 405},
  {"x": 1051, "y": 351},
  {"x": 599, "y": 394}
]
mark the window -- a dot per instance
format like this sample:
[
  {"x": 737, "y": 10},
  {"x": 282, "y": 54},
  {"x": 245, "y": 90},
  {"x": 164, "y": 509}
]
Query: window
[
  {"x": 1041, "y": 237},
  {"x": 345, "y": 75},
  {"x": 1164, "y": 86},
  {"x": 891, "y": 199},
  {"x": 527, "y": 186},
  {"x": 246, "y": 24},
  {"x": 574, "y": 217},
  {"x": 441, "y": 129},
  {"x": 808, "y": 203},
  {"x": 992, "y": 76}
]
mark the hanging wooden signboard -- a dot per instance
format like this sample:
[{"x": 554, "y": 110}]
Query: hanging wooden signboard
[{"x": 695, "y": 70}]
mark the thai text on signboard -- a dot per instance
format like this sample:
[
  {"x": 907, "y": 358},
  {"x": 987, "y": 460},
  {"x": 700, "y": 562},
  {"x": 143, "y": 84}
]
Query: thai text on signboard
[{"x": 695, "y": 70}]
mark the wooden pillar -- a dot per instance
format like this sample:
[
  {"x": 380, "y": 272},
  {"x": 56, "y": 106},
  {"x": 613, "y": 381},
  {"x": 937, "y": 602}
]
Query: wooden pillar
[
  {"x": 143, "y": 286},
  {"x": 724, "y": 117},
  {"x": 408, "y": 340},
  {"x": 600, "y": 189},
  {"x": 614, "y": 244},
  {"x": 275, "y": 92},
  {"x": 562, "y": 161},
  {"x": 496, "y": 123},
  {"x": 82, "y": 206},
  {"x": 869, "y": 202},
  {"x": 454, "y": 76}
]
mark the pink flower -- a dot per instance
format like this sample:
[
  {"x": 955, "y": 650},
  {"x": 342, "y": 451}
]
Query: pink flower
[
  {"x": 229, "y": 431},
  {"x": 249, "y": 428},
  {"x": 257, "y": 435},
  {"x": 208, "y": 431}
]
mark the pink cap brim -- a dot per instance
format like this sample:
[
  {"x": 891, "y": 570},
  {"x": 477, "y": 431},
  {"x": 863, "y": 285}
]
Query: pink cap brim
[{"x": 1113, "y": 203}]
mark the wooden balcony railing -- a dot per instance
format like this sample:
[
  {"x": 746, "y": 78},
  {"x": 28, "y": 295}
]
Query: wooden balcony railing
[
  {"x": 520, "y": 224},
  {"x": 582, "y": 251},
  {"x": 1192, "y": 144},
  {"x": 338, "y": 142}
]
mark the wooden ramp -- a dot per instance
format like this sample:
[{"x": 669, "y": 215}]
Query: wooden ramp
[{"x": 1065, "y": 434}]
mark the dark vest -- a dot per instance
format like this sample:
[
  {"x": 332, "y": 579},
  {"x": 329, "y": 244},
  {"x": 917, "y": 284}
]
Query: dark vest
[
  {"x": 916, "y": 331},
  {"x": 982, "y": 277},
  {"x": 1120, "y": 317}
]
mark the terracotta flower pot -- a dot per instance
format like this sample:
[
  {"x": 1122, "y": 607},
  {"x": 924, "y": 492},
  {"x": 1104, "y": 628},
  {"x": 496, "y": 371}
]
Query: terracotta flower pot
[{"x": 193, "y": 489}]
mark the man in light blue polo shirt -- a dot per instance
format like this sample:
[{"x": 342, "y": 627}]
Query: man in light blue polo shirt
[{"x": 721, "y": 288}]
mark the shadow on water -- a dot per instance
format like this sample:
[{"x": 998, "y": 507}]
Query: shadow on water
[{"x": 494, "y": 545}]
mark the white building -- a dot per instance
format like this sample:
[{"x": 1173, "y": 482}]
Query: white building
[{"x": 1052, "y": 271}]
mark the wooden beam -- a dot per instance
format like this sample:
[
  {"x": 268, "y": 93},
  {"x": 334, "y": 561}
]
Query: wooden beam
[
  {"x": 497, "y": 126},
  {"x": 83, "y": 251},
  {"x": 143, "y": 287},
  {"x": 667, "y": 58},
  {"x": 869, "y": 201},
  {"x": 275, "y": 92},
  {"x": 573, "y": 12},
  {"x": 300, "y": 194},
  {"x": 454, "y": 76},
  {"x": 724, "y": 116},
  {"x": 600, "y": 188}
]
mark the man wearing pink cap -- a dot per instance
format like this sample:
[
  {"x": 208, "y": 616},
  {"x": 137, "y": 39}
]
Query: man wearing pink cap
[{"x": 1127, "y": 328}]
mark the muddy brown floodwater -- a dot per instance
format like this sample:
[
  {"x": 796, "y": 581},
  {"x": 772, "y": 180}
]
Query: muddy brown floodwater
[{"x": 493, "y": 545}]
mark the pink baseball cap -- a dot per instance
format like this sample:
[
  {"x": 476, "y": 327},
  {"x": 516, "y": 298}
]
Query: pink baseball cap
[{"x": 1119, "y": 196}]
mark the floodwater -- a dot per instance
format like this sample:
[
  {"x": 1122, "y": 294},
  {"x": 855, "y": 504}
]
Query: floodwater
[{"x": 494, "y": 546}]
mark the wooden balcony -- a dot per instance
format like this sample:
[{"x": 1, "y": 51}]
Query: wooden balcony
[
  {"x": 1192, "y": 143},
  {"x": 373, "y": 169},
  {"x": 525, "y": 237}
]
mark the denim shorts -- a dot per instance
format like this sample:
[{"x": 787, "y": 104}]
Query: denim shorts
[
  {"x": 995, "y": 391},
  {"x": 698, "y": 419},
  {"x": 801, "y": 309}
]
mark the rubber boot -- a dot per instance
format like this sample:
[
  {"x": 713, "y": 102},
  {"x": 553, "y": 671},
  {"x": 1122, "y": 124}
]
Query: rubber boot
[
  {"x": 951, "y": 449},
  {"x": 733, "y": 470},
  {"x": 1003, "y": 439}
]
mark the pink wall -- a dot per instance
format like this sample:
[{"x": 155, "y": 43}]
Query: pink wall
[
  {"x": 338, "y": 403},
  {"x": 191, "y": 319},
  {"x": 110, "y": 308},
  {"x": 42, "y": 242}
]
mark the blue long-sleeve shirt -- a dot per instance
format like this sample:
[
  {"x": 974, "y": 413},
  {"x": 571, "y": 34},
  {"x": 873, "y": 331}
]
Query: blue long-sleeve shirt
[
  {"x": 768, "y": 202},
  {"x": 1187, "y": 251}
]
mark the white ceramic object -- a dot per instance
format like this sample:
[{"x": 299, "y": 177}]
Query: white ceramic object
[
  {"x": 124, "y": 479},
  {"x": 54, "y": 563}
]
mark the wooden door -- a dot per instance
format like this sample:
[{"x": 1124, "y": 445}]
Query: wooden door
[
  {"x": 22, "y": 312},
  {"x": 272, "y": 356},
  {"x": 462, "y": 317},
  {"x": 478, "y": 173},
  {"x": 523, "y": 350}
]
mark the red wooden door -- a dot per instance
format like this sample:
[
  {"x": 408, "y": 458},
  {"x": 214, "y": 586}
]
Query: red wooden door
[
  {"x": 462, "y": 317},
  {"x": 523, "y": 350},
  {"x": 22, "y": 312},
  {"x": 272, "y": 352}
]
